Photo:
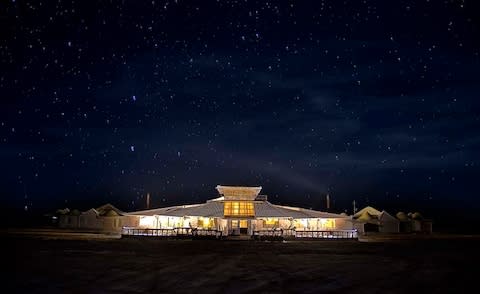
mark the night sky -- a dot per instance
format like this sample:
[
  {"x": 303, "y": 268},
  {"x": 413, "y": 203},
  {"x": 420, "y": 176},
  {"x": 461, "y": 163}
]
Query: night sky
[{"x": 373, "y": 101}]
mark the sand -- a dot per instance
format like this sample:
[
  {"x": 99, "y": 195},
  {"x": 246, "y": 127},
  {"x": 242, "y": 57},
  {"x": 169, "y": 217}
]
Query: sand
[{"x": 37, "y": 265}]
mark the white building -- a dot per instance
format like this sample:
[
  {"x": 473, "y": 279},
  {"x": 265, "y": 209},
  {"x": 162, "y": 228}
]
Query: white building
[
  {"x": 370, "y": 219},
  {"x": 240, "y": 211},
  {"x": 106, "y": 218}
]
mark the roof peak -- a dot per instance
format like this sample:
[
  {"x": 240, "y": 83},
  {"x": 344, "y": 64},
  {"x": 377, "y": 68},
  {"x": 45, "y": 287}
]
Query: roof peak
[
  {"x": 238, "y": 192},
  {"x": 238, "y": 187}
]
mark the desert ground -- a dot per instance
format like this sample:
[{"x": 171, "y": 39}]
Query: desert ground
[{"x": 39, "y": 265}]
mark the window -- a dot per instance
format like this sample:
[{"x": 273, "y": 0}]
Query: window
[
  {"x": 327, "y": 223},
  {"x": 147, "y": 222},
  {"x": 238, "y": 208},
  {"x": 271, "y": 222},
  {"x": 205, "y": 223}
]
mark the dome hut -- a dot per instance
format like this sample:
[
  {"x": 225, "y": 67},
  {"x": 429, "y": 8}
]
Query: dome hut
[
  {"x": 402, "y": 216},
  {"x": 417, "y": 216}
]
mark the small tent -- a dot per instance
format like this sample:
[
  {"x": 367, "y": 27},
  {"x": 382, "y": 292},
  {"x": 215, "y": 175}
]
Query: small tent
[{"x": 370, "y": 219}]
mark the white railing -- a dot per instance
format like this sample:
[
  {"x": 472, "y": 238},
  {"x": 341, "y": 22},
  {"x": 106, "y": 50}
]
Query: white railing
[
  {"x": 277, "y": 232},
  {"x": 329, "y": 234},
  {"x": 171, "y": 232},
  {"x": 306, "y": 234},
  {"x": 263, "y": 233}
]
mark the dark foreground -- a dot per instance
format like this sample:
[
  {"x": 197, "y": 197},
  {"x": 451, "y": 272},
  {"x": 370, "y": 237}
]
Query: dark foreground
[{"x": 132, "y": 266}]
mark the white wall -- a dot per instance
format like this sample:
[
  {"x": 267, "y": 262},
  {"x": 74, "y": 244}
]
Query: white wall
[
  {"x": 389, "y": 227},
  {"x": 343, "y": 224}
]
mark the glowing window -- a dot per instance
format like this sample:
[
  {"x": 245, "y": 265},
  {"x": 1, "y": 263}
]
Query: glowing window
[
  {"x": 205, "y": 223},
  {"x": 327, "y": 223},
  {"x": 300, "y": 223},
  {"x": 271, "y": 222},
  {"x": 147, "y": 221},
  {"x": 243, "y": 224},
  {"x": 238, "y": 208}
]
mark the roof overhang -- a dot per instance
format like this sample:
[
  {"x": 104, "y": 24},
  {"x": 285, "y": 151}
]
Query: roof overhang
[{"x": 238, "y": 192}]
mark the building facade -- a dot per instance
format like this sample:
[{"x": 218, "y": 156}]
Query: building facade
[
  {"x": 370, "y": 219},
  {"x": 106, "y": 218},
  {"x": 240, "y": 211}
]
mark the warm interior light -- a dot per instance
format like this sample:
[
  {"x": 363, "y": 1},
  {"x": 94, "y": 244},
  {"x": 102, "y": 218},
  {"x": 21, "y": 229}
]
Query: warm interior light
[
  {"x": 147, "y": 221},
  {"x": 238, "y": 208},
  {"x": 271, "y": 222},
  {"x": 328, "y": 223},
  {"x": 163, "y": 221},
  {"x": 205, "y": 222},
  {"x": 243, "y": 223}
]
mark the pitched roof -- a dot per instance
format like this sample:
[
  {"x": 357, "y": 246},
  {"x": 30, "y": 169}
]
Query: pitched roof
[
  {"x": 385, "y": 216},
  {"x": 306, "y": 213},
  {"x": 266, "y": 209},
  {"x": 367, "y": 217},
  {"x": 374, "y": 216},
  {"x": 215, "y": 209},
  {"x": 372, "y": 211},
  {"x": 106, "y": 208},
  {"x": 91, "y": 210},
  {"x": 210, "y": 209}
]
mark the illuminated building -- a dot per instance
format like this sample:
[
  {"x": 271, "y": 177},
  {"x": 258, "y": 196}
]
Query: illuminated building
[{"x": 240, "y": 211}]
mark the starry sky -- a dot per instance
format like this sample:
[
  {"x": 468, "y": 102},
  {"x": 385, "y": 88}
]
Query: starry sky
[{"x": 372, "y": 101}]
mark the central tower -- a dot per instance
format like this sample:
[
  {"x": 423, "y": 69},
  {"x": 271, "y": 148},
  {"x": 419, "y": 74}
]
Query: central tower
[
  {"x": 238, "y": 192},
  {"x": 238, "y": 201},
  {"x": 238, "y": 206}
]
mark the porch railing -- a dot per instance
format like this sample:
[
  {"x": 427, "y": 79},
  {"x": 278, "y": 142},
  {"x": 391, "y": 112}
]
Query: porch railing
[
  {"x": 328, "y": 234},
  {"x": 171, "y": 232},
  {"x": 148, "y": 232},
  {"x": 207, "y": 233},
  {"x": 278, "y": 232},
  {"x": 268, "y": 233}
]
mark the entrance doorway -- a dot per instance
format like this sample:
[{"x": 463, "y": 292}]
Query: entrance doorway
[
  {"x": 239, "y": 227},
  {"x": 243, "y": 227},
  {"x": 368, "y": 227}
]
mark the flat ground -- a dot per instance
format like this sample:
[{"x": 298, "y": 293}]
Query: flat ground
[{"x": 128, "y": 266}]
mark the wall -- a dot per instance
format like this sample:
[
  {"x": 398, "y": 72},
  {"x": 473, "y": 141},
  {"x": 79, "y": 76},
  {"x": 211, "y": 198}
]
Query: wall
[
  {"x": 89, "y": 220},
  {"x": 68, "y": 221},
  {"x": 389, "y": 227},
  {"x": 343, "y": 224}
]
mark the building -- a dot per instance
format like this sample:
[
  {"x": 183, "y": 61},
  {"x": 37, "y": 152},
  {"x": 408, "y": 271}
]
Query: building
[
  {"x": 370, "y": 219},
  {"x": 106, "y": 218},
  {"x": 414, "y": 223},
  {"x": 240, "y": 211}
]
